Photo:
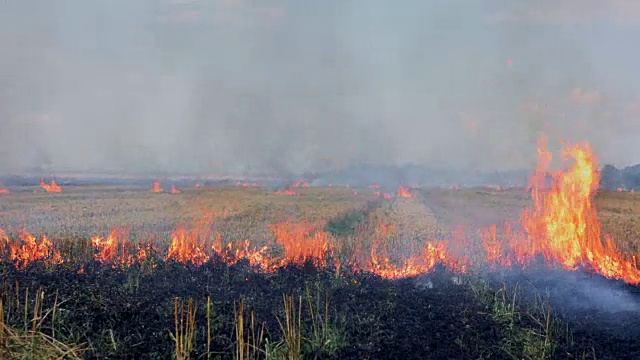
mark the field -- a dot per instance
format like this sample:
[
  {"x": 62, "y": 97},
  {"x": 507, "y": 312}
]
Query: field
[{"x": 243, "y": 273}]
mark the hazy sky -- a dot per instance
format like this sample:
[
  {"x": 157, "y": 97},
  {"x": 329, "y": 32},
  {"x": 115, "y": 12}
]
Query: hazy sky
[{"x": 294, "y": 85}]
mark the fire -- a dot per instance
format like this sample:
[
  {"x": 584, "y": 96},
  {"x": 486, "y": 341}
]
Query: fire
[
  {"x": 113, "y": 249},
  {"x": 246, "y": 185},
  {"x": 187, "y": 246},
  {"x": 50, "y": 188},
  {"x": 561, "y": 227},
  {"x": 301, "y": 242},
  {"x": 174, "y": 190},
  {"x": 4, "y": 191},
  {"x": 156, "y": 187},
  {"x": 387, "y": 263},
  {"x": 404, "y": 192},
  {"x": 29, "y": 250},
  {"x": 562, "y": 224},
  {"x": 287, "y": 192}
]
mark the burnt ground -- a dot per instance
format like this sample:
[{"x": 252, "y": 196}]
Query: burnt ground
[{"x": 129, "y": 314}]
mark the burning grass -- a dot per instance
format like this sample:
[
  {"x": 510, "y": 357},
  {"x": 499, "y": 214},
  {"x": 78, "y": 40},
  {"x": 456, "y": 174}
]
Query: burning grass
[{"x": 246, "y": 246}]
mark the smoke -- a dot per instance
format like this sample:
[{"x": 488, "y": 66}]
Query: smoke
[{"x": 286, "y": 86}]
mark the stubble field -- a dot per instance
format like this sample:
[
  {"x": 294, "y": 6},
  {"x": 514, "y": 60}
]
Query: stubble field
[{"x": 361, "y": 300}]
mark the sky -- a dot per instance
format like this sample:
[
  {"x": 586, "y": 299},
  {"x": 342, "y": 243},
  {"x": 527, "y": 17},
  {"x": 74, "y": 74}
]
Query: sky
[{"x": 286, "y": 86}]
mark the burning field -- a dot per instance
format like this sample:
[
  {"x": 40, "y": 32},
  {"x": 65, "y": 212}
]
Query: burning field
[{"x": 244, "y": 272}]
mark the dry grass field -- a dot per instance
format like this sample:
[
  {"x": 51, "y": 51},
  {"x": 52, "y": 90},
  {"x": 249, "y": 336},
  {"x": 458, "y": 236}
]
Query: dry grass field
[
  {"x": 618, "y": 212},
  {"x": 369, "y": 281},
  {"x": 92, "y": 210}
]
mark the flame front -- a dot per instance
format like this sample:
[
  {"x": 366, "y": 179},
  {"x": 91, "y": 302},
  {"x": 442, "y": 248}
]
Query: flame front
[
  {"x": 301, "y": 242},
  {"x": 174, "y": 190},
  {"x": 28, "y": 250},
  {"x": 113, "y": 249},
  {"x": 4, "y": 191},
  {"x": 560, "y": 227},
  {"x": 50, "y": 188},
  {"x": 187, "y": 246}
]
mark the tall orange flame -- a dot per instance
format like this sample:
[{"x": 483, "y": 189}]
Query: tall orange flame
[
  {"x": 563, "y": 224},
  {"x": 156, "y": 187},
  {"x": 50, "y": 188}
]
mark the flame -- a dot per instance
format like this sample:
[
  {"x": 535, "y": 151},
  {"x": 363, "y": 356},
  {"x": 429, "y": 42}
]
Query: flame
[
  {"x": 287, "y": 192},
  {"x": 50, "y": 188},
  {"x": 29, "y": 250},
  {"x": 386, "y": 265},
  {"x": 156, "y": 187},
  {"x": 404, "y": 192},
  {"x": 561, "y": 227},
  {"x": 187, "y": 246},
  {"x": 112, "y": 250},
  {"x": 563, "y": 224},
  {"x": 4, "y": 191},
  {"x": 174, "y": 190},
  {"x": 302, "y": 242}
]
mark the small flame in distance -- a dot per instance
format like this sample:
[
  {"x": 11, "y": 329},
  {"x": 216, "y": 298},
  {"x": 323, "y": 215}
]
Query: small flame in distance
[
  {"x": 50, "y": 188},
  {"x": 156, "y": 188}
]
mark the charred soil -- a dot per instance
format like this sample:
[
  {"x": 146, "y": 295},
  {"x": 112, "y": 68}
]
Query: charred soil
[{"x": 129, "y": 314}]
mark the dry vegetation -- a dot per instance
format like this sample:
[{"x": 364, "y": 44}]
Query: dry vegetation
[
  {"x": 91, "y": 210},
  {"x": 474, "y": 208},
  {"x": 231, "y": 311},
  {"x": 619, "y": 214}
]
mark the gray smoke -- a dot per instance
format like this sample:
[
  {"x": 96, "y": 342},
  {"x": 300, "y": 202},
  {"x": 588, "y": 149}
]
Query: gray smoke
[{"x": 299, "y": 85}]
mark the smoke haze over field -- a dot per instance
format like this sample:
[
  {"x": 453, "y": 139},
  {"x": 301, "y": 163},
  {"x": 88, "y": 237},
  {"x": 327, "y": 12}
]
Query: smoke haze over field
[{"x": 297, "y": 85}]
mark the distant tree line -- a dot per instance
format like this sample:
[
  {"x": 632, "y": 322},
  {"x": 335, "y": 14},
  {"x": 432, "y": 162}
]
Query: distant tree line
[{"x": 628, "y": 178}]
